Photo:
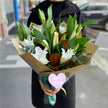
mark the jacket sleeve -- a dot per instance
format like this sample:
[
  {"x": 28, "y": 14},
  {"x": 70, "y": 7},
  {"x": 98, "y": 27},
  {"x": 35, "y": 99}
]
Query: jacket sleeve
[{"x": 34, "y": 17}]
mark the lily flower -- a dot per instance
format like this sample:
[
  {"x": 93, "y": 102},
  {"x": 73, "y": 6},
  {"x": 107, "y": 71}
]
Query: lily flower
[
  {"x": 52, "y": 28},
  {"x": 39, "y": 27},
  {"x": 55, "y": 39},
  {"x": 27, "y": 42},
  {"x": 62, "y": 29},
  {"x": 66, "y": 55},
  {"x": 40, "y": 55}
]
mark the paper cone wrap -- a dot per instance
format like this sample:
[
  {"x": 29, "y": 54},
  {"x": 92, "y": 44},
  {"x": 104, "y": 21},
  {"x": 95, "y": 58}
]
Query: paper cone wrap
[{"x": 41, "y": 69}]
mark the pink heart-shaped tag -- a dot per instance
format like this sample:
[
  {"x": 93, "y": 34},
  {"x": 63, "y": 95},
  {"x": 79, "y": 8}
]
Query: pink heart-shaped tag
[{"x": 57, "y": 80}]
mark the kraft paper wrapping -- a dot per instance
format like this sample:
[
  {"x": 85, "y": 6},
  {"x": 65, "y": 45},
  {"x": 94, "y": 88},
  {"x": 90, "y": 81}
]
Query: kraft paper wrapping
[{"x": 41, "y": 69}]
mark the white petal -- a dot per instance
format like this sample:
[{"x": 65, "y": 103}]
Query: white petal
[
  {"x": 41, "y": 55},
  {"x": 66, "y": 55}
]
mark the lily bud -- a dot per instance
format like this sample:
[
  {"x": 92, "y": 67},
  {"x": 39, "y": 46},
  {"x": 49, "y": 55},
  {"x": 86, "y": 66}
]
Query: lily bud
[
  {"x": 76, "y": 47},
  {"x": 55, "y": 39},
  {"x": 73, "y": 33},
  {"x": 78, "y": 29},
  {"x": 41, "y": 16},
  {"x": 52, "y": 28},
  {"x": 45, "y": 44}
]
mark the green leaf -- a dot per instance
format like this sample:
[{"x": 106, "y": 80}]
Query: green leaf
[
  {"x": 57, "y": 48},
  {"x": 41, "y": 16},
  {"x": 20, "y": 32},
  {"x": 81, "y": 47},
  {"x": 50, "y": 66},
  {"x": 71, "y": 43},
  {"x": 83, "y": 40},
  {"x": 48, "y": 35},
  {"x": 89, "y": 22},
  {"x": 78, "y": 28},
  {"x": 39, "y": 36},
  {"x": 25, "y": 33},
  {"x": 76, "y": 47},
  {"x": 28, "y": 31},
  {"x": 70, "y": 26},
  {"x": 49, "y": 11},
  {"x": 63, "y": 37},
  {"x": 35, "y": 42},
  {"x": 59, "y": 21},
  {"x": 75, "y": 21}
]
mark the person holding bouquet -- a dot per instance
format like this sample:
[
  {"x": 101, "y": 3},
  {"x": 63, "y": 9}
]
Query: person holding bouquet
[{"x": 65, "y": 8}]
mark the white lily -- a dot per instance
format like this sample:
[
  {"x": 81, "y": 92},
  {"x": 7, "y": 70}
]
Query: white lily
[
  {"x": 66, "y": 55},
  {"x": 39, "y": 27},
  {"x": 40, "y": 55},
  {"x": 27, "y": 42},
  {"x": 62, "y": 29},
  {"x": 55, "y": 39}
]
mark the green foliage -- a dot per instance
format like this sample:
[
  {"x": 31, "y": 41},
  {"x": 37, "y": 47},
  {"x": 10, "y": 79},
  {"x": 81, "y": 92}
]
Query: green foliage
[
  {"x": 58, "y": 49},
  {"x": 39, "y": 36},
  {"x": 59, "y": 21},
  {"x": 48, "y": 35},
  {"x": 88, "y": 23},
  {"x": 70, "y": 26},
  {"x": 83, "y": 40},
  {"x": 21, "y": 32},
  {"x": 49, "y": 11},
  {"x": 63, "y": 37},
  {"x": 71, "y": 43},
  {"x": 42, "y": 16},
  {"x": 28, "y": 31}
]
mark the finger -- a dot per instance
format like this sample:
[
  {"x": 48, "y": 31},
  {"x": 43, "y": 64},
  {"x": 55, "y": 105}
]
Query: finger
[
  {"x": 56, "y": 91},
  {"x": 50, "y": 94},
  {"x": 47, "y": 89}
]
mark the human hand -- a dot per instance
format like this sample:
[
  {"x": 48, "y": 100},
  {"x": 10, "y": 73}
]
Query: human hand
[{"x": 47, "y": 90}]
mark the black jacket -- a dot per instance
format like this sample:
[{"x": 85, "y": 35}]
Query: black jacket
[{"x": 68, "y": 8}]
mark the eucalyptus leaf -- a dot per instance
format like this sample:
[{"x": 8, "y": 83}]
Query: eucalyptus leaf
[{"x": 84, "y": 58}]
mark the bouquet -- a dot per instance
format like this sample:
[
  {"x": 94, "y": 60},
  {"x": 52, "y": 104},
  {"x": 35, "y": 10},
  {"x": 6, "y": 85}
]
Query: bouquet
[{"x": 54, "y": 52}]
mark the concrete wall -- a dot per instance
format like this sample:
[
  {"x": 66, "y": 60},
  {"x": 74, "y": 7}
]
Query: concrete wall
[{"x": 3, "y": 19}]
